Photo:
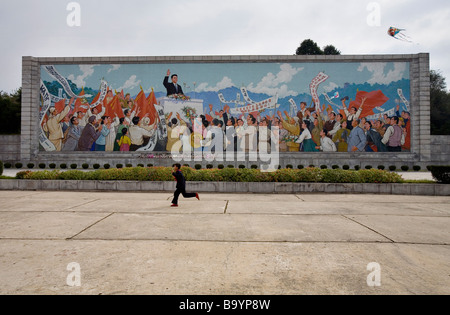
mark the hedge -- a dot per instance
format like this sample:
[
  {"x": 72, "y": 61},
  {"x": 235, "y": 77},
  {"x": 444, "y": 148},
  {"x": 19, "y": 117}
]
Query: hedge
[
  {"x": 441, "y": 173},
  {"x": 313, "y": 175}
]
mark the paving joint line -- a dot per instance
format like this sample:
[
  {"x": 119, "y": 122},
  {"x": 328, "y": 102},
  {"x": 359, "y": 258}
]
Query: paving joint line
[
  {"x": 88, "y": 227},
  {"x": 83, "y": 204},
  {"x": 226, "y": 207},
  {"x": 5, "y": 239},
  {"x": 391, "y": 240},
  {"x": 260, "y": 241}
]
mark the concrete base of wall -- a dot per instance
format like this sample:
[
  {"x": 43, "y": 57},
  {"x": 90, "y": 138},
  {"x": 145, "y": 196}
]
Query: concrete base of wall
[
  {"x": 228, "y": 187},
  {"x": 286, "y": 159},
  {"x": 10, "y": 152}
]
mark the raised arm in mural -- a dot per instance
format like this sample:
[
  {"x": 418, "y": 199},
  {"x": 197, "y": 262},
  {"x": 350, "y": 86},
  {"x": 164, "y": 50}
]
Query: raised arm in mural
[
  {"x": 53, "y": 127},
  {"x": 352, "y": 113}
]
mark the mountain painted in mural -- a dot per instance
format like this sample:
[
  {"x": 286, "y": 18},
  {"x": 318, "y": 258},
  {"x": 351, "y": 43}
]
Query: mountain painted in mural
[
  {"x": 231, "y": 94},
  {"x": 350, "y": 90}
]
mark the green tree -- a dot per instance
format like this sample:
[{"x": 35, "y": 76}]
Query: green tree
[
  {"x": 440, "y": 104},
  {"x": 10, "y": 112},
  {"x": 437, "y": 81},
  {"x": 331, "y": 50},
  {"x": 310, "y": 47}
]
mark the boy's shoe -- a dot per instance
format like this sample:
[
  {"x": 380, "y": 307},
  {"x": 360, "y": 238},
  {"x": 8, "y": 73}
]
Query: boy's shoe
[
  {"x": 174, "y": 205},
  {"x": 197, "y": 196}
]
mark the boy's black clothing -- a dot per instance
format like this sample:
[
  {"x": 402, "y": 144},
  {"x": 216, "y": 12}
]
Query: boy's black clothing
[
  {"x": 181, "y": 181},
  {"x": 181, "y": 188}
]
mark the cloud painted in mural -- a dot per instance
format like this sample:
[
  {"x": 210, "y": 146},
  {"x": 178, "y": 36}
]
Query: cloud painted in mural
[
  {"x": 272, "y": 84},
  {"x": 288, "y": 79}
]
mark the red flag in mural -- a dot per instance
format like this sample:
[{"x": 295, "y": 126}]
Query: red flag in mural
[
  {"x": 144, "y": 106},
  {"x": 117, "y": 108},
  {"x": 96, "y": 98},
  {"x": 208, "y": 118},
  {"x": 108, "y": 110},
  {"x": 139, "y": 103},
  {"x": 59, "y": 106},
  {"x": 151, "y": 110},
  {"x": 372, "y": 99},
  {"x": 81, "y": 105},
  {"x": 108, "y": 100},
  {"x": 114, "y": 108}
]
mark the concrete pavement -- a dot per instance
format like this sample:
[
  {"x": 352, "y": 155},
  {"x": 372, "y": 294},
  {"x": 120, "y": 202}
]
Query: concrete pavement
[{"x": 134, "y": 243}]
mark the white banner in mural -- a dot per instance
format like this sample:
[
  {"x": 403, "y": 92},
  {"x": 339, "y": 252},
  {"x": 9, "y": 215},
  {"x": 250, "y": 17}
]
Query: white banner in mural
[
  {"x": 402, "y": 97},
  {"x": 162, "y": 127},
  {"x": 328, "y": 99},
  {"x": 314, "y": 85},
  {"x": 246, "y": 97},
  {"x": 56, "y": 99},
  {"x": 389, "y": 113},
  {"x": 54, "y": 73},
  {"x": 237, "y": 101},
  {"x": 293, "y": 107},
  {"x": 270, "y": 103},
  {"x": 103, "y": 91}
]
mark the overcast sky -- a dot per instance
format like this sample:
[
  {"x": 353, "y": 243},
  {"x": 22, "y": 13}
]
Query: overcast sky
[{"x": 211, "y": 27}]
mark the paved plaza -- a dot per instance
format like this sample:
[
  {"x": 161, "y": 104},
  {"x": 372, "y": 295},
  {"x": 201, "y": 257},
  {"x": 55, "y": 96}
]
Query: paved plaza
[{"x": 133, "y": 243}]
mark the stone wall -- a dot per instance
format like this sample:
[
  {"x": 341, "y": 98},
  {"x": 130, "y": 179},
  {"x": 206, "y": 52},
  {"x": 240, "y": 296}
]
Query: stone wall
[
  {"x": 9, "y": 148},
  {"x": 441, "y": 149},
  {"x": 420, "y": 112},
  {"x": 224, "y": 187}
]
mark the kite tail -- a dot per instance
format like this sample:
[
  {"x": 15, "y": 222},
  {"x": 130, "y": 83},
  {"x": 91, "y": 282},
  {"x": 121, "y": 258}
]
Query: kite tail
[{"x": 405, "y": 38}]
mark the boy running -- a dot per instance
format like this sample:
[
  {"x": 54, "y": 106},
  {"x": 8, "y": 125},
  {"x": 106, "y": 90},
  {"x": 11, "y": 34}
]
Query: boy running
[{"x": 181, "y": 186}]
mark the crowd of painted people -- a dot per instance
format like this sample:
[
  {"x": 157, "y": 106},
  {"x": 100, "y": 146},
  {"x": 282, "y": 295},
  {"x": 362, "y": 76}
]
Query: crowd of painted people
[
  {"x": 307, "y": 131},
  {"x": 310, "y": 130},
  {"x": 93, "y": 131}
]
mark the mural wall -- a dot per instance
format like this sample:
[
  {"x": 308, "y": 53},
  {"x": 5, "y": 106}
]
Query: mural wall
[{"x": 337, "y": 107}]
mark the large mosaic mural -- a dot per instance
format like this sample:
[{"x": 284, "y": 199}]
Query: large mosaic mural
[{"x": 314, "y": 107}]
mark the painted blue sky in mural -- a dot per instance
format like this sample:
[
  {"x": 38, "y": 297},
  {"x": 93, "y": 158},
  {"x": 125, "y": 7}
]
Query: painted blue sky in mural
[{"x": 262, "y": 80}]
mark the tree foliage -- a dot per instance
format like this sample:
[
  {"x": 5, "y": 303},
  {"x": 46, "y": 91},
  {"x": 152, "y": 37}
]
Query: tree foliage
[
  {"x": 331, "y": 50},
  {"x": 10, "y": 112},
  {"x": 440, "y": 104},
  {"x": 310, "y": 47}
]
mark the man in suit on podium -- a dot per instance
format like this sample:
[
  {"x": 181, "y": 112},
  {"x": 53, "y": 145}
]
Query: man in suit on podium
[{"x": 172, "y": 88}]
